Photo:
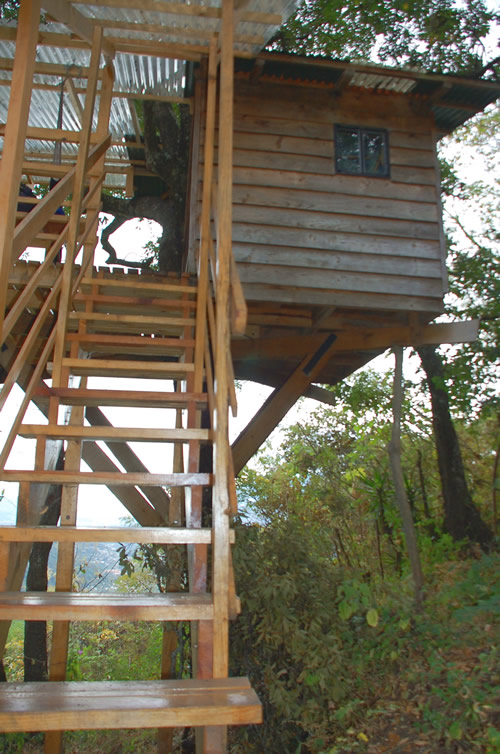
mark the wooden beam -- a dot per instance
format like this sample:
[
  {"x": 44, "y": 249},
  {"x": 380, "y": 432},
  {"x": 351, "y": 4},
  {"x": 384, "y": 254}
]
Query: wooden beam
[
  {"x": 358, "y": 340},
  {"x": 279, "y": 402},
  {"x": 80, "y": 25},
  {"x": 17, "y": 120},
  {"x": 317, "y": 393},
  {"x": 73, "y": 96}
]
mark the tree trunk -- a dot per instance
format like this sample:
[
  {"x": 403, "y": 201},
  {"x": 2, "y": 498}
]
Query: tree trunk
[{"x": 461, "y": 518}]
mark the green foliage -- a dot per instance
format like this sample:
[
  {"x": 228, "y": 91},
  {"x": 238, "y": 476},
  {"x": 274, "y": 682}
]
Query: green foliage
[
  {"x": 9, "y": 9},
  {"x": 332, "y": 656},
  {"x": 438, "y": 35}
]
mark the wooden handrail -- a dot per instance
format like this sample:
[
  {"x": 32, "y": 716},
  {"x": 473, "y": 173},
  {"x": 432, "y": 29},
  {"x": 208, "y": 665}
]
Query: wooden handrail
[
  {"x": 35, "y": 220},
  {"x": 22, "y": 301},
  {"x": 30, "y": 341},
  {"x": 30, "y": 389}
]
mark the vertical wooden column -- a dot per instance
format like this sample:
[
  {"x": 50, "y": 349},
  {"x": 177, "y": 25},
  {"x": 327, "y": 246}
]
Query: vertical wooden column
[
  {"x": 224, "y": 244},
  {"x": 97, "y": 173},
  {"x": 215, "y": 737},
  {"x": 15, "y": 134}
]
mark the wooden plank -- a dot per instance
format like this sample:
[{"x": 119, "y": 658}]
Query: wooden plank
[
  {"x": 128, "y": 302},
  {"x": 353, "y": 300},
  {"x": 141, "y": 282},
  {"x": 135, "y": 535},
  {"x": 109, "y": 478},
  {"x": 64, "y": 606},
  {"x": 357, "y": 339},
  {"x": 138, "y": 344},
  {"x": 127, "y": 704},
  {"x": 334, "y": 184},
  {"x": 279, "y": 402},
  {"x": 141, "y": 369},
  {"x": 246, "y": 233},
  {"x": 322, "y": 165},
  {"x": 69, "y": 85},
  {"x": 300, "y": 146},
  {"x": 246, "y": 123},
  {"x": 342, "y": 204},
  {"x": 115, "y": 434},
  {"x": 19, "y": 104},
  {"x": 415, "y": 221},
  {"x": 334, "y": 260},
  {"x": 303, "y": 104},
  {"x": 363, "y": 282},
  {"x": 150, "y": 399},
  {"x": 138, "y": 319}
]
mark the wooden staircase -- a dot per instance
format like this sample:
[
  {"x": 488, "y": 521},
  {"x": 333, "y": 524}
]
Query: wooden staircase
[
  {"x": 141, "y": 327},
  {"x": 113, "y": 326}
]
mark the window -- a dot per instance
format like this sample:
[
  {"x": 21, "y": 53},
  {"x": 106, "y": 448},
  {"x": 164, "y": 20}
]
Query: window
[{"x": 361, "y": 151}]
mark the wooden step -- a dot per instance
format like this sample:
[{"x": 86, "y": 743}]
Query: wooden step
[
  {"x": 104, "y": 606},
  {"x": 127, "y": 398},
  {"x": 119, "y": 368},
  {"x": 114, "y": 434},
  {"x": 135, "y": 534},
  {"x": 109, "y": 478},
  {"x": 127, "y": 704},
  {"x": 142, "y": 320},
  {"x": 137, "y": 283},
  {"x": 139, "y": 344},
  {"x": 127, "y": 303}
]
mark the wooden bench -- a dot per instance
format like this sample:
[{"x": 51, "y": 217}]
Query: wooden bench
[{"x": 127, "y": 704}]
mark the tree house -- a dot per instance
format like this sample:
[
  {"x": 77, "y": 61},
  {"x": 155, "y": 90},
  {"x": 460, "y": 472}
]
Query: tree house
[{"x": 313, "y": 242}]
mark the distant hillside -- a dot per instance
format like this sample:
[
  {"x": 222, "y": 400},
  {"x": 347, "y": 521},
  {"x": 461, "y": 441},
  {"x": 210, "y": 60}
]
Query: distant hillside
[{"x": 96, "y": 565}]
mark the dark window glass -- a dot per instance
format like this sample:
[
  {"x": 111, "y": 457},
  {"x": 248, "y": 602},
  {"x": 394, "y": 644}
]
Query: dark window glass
[
  {"x": 348, "y": 151},
  {"x": 361, "y": 151}
]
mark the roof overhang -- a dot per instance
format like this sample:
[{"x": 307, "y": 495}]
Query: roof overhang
[{"x": 452, "y": 99}]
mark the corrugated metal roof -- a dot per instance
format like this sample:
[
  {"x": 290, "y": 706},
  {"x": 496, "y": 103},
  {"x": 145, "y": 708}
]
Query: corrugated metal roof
[
  {"x": 138, "y": 74},
  {"x": 452, "y": 99}
]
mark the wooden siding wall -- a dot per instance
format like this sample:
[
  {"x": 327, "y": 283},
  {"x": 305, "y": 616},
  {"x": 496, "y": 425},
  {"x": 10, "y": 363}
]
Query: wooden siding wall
[{"x": 303, "y": 234}]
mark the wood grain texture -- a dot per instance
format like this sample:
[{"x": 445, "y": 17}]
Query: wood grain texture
[
  {"x": 108, "y": 478},
  {"x": 127, "y": 704},
  {"x": 115, "y": 434},
  {"x": 64, "y": 606},
  {"x": 137, "y": 535}
]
